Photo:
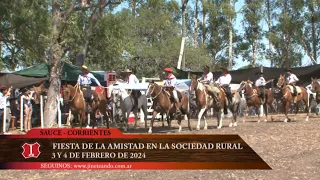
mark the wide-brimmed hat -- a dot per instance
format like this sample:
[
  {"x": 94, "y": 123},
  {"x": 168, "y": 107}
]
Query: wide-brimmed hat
[
  {"x": 224, "y": 69},
  {"x": 288, "y": 70},
  {"x": 84, "y": 67},
  {"x": 127, "y": 70},
  {"x": 168, "y": 70}
]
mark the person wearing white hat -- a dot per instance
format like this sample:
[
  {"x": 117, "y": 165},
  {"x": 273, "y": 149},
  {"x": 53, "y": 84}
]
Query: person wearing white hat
[
  {"x": 132, "y": 79},
  {"x": 84, "y": 81}
]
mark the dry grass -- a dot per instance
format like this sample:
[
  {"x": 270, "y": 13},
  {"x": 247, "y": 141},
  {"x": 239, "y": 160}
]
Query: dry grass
[{"x": 291, "y": 149}]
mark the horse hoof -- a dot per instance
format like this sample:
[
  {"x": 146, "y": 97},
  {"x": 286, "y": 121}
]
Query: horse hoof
[
  {"x": 198, "y": 128},
  {"x": 219, "y": 127},
  {"x": 230, "y": 125},
  {"x": 235, "y": 124},
  {"x": 265, "y": 120},
  {"x": 307, "y": 119},
  {"x": 205, "y": 128},
  {"x": 285, "y": 120}
]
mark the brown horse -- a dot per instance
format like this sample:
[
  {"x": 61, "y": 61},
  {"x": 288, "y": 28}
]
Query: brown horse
[
  {"x": 163, "y": 104},
  {"x": 253, "y": 99},
  {"x": 287, "y": 92},
  {"x": 39, "y": 89},
  {"x": 99, "y": 105},
  {"x": 221, "y": 105},
  {"x": 75, "y": 96},
  {"x": 202, "y": 100},
  {"x": 315, "y": 85}
]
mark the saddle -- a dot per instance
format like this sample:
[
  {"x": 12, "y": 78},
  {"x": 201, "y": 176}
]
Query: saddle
[
  {"x": 298, "y": 90},
  {"x": 169, "y": 93}
]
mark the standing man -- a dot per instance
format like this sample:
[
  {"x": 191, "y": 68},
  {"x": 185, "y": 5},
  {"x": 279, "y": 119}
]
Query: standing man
[
  {"x": 132, "y": 79},
  {"x": 291, "y": 79},
  {"x": 84, "y": 81},
  {"x": 260, "y": 83},
  {"x": 171, "y": 81},
  {"x": 207, "y": 77},
  {"x": 6, "y": 92}
]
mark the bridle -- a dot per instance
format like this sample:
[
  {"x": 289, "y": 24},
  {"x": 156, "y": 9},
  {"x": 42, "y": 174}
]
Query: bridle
[{"x": 153, "y": 91}]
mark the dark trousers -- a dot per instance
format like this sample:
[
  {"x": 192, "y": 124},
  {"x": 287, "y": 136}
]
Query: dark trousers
[
  {"x": 87, "y": 92},
  {"x": 262, "y": 94},
  {"x": 227, "y": 89}
]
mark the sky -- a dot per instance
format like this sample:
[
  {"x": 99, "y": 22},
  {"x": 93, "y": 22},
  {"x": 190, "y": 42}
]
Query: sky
[{"x": 239, "y": 27}]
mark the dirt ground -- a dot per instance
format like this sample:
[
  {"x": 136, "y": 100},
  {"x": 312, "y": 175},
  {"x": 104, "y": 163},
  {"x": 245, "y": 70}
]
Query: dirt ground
[{"x": 291, "y": 149}]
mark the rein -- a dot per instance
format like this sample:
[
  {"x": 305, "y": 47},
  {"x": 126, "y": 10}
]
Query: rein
[{"x": 153, "y": 91}]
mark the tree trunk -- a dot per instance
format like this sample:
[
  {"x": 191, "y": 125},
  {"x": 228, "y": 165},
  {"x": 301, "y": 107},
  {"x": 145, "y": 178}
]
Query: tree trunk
[
  {"x": 270, "y": 31},
  {"x": 204, "y": 20},
  {"x": 51, "y": 109},
  {"x": 183, "y": 8},
  {"x": 133, "y": 7},
  {"x": 230, "y": 44},
  {"x": 313, "y": 31},
  {"x": 254, "y": 53},
  {"x": 195, "y": 35}
]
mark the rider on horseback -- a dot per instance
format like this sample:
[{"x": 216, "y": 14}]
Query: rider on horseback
[
  {"x": 132, "y": 79},
  {"x": 207, "y": 77},
  {"x": 224, "y": 82},
  {"x": 171, "y": 81},
  {"x": 260, "y": 83},
  {"x": 84, "y": 80},
  {"x": 291, "y": 80}
]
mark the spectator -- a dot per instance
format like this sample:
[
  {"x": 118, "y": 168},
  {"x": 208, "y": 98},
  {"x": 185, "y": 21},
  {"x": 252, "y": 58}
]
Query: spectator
[
  {"x": 5, "y": 92},
  {"x": 27, "y": 97}
]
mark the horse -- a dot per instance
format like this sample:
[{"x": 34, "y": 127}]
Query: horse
[
  {"x": 162, "y": 104},
  {"x": 201, "y": 100},
  {"x": 287, "y": 97},
  {"x": 127, "y": 104},
  {"x": 221, "y": 104},
  {"x": 315, "y": 85},
  {"x": 75, "y": 96},
  {"x": 99, "y": 104},
  {"x": 253, "y": 99},
  {"x": 39, "y": 89}
]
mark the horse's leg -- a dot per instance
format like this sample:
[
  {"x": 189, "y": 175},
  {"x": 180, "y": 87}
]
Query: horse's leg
[
  {"x": 219, "y": 119},
  {"x": 286, "y": 109},
  {"x": 152, "y": 120},
  {"x": 80, "y": 119},
  {"x": 179, "y": 123},
  {"x": 265, "y": 111},
  {"x": 189, "y": 123},
  {"x": 145, "y": 112},
  {"x": 199, "y": 117},
  {"x": 307, "y": 103},
  {"x": 135, "y": 119},
  {"x": 126, "y": 124},
  {"x": 162, "y": 120},
  {"x": 258, "y": 112},
  {"x": 235, "y": 110},
  {"x": 205, "y": 120},
  {"x": 245, "y": 111}
]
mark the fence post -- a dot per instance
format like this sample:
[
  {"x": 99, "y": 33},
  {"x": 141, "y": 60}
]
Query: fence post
[
  {"x": 261, "y": 106},
  {"x": 5, "y": 115},
  {"x": 21, "y": 113},
  {"x": 59, "y": 112},
  {"x": 41, "y": 111}
]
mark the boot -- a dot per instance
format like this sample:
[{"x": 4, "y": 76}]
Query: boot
[{"x": 178, "y": 112}]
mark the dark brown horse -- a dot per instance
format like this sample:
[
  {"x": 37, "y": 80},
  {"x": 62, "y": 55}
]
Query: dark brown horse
[
  {"x": 99, "y": 105},
  {"x": 203, "y": 101},
  {"x": 163, "y": 104},
  {"x": 315, "y": 85},
  {"x": 74, "y": 96},
  {"x": 287, "y": 98},
  {"x": 253, "y": 100}
]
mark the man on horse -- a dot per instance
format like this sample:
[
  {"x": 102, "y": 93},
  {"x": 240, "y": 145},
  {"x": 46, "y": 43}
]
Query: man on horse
[
  {"x": 291, "y": 79},
  {"x": 260, "y": 83},
  {"x": 132, "y": 79},
  {"x": 171, "y": 81},
  {"x": 84, "y": 81},
  {"x": 207, "y": 77},
  {"x": 224, "y": 82}
]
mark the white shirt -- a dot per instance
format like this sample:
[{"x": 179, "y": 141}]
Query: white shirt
[
  {"x": 86, "y": 80},
  {"x": 208, "y": 77},
  {"x": 224, "y": 80},
  {"x": 292, "y": 78},
  {"x": 171, "y": 81},
  {"x": 132, "y": 79},
  {"x": 260, "y": 82}
]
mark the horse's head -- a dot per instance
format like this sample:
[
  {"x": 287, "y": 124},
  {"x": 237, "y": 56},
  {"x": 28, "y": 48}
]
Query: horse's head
[
  {"x": 66, "y": 93},
  {"x": 281, "y": 80},
  {"x": 194, "y": 84},
  {"x": 153, "y": 90},
  {"x": 315, "y": 84},
  {"x": 39, "y": 89}
]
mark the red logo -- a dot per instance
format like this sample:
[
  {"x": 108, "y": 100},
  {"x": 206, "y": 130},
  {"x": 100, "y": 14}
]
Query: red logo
[{"x": 31, "y": 150}]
